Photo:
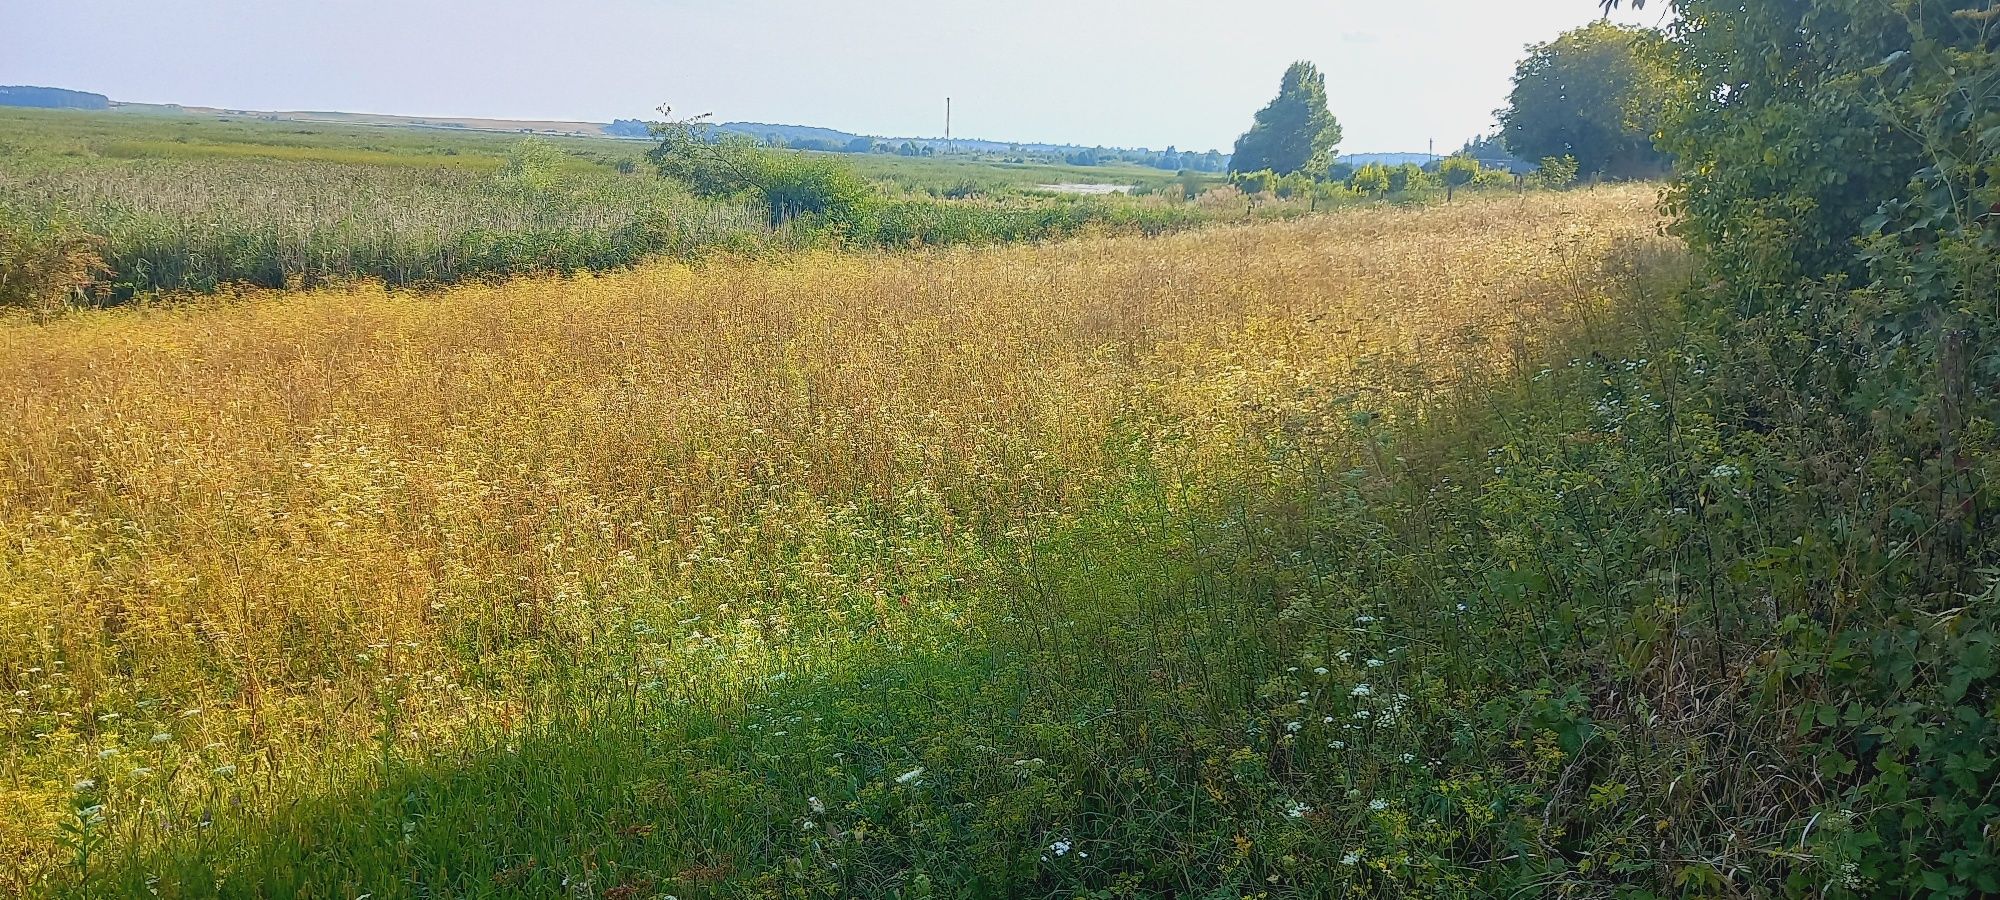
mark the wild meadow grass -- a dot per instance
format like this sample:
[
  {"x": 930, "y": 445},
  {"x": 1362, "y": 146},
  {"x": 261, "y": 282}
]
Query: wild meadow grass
[
  {"x": 1095, "y": 568},
  {"x": 173, "y": 204},
  {"x": 169, "y": 224}
]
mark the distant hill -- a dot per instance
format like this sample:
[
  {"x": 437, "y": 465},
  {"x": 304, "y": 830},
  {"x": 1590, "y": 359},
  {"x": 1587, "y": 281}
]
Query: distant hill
[
  {"x": 51, "y": 98},
  {"x": 785, "y": 135},
  {"x": 791, "y": 134}
]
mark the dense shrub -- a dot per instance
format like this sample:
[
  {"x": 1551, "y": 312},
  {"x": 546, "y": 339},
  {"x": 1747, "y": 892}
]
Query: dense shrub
[
  {"x": 1837, "y": 161},
  {"x": 45, "y": 263}
]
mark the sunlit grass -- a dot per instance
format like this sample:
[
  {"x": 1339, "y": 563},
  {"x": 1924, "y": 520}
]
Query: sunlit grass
[{"x": 258, "y": 550}]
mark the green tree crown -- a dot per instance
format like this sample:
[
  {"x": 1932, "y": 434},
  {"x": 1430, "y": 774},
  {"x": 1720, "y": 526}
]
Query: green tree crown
[
  {"x": 1295, "y": 132},
  {"x": 1595, "y": 93}
]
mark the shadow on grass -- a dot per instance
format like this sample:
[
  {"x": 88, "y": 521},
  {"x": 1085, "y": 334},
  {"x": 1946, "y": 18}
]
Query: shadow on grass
[
  {"x": 952, "y": 770},
  {"x": 652, "y": 802},
  {"x": 1168, "y": 697}
]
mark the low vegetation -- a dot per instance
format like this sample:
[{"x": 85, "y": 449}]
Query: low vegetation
[
  {"x": 46, "y": 263},
  {"x": 1036, "y": 568},
  {"x": 175, "y": 204},
  {"x": 165, "y": 225},
  {"x": 1551, "y": 543}
]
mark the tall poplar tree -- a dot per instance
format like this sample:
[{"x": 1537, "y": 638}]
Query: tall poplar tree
[{"x": 1295, "y": 133}]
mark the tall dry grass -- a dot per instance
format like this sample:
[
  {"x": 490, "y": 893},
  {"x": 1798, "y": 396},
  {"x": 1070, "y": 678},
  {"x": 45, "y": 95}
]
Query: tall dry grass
[{"x": 245, "y": 540}]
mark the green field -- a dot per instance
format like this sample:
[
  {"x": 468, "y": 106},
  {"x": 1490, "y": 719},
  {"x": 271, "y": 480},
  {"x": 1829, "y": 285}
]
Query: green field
[
  {"x": 123, "y": 134},
  {"x": 179, "y": 202},
  {"x": 85, "y": 136}
]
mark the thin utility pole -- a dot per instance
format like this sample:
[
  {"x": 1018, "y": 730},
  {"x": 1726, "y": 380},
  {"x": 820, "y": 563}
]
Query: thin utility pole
[{"x": 947, "y": 124}]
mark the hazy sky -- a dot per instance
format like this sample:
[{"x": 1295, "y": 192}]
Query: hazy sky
[{"x": 1147, "y": 73}]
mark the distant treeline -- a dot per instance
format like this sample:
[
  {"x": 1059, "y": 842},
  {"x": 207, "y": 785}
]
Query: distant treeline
[
  {"x": 827, "y": 140},
  {"x": 51, "y": 98}
]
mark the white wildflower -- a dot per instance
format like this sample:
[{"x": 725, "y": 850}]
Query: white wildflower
[
  {"x": 1295, "y": 810},
  {"x": 1361, "y": 690},
  {"x": 1378, "y": 804},
  {"x": 817, "y": 806},
  {"x": 1352, "y": 856},
  {"x": 1059, "y": 848},
  {"x": 910, "y": 776}
]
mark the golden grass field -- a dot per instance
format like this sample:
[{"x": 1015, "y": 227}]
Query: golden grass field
[{"x": 247, "y": 541}]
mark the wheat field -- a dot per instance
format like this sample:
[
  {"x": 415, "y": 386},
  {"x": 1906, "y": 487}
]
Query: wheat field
[{"x": 254, "y": 542}]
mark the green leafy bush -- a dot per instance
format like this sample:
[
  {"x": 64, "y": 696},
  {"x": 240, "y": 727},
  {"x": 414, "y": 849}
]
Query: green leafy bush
[
  {"x": 726, "y": 165},
  {"x": 1556, "y": 172},
  {"x": 1837, "y": 163},
  {"x": 1254, "y": 183},
  {"x": 1371, "y": 179},
  {"x": 1456, "y": 172}
]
